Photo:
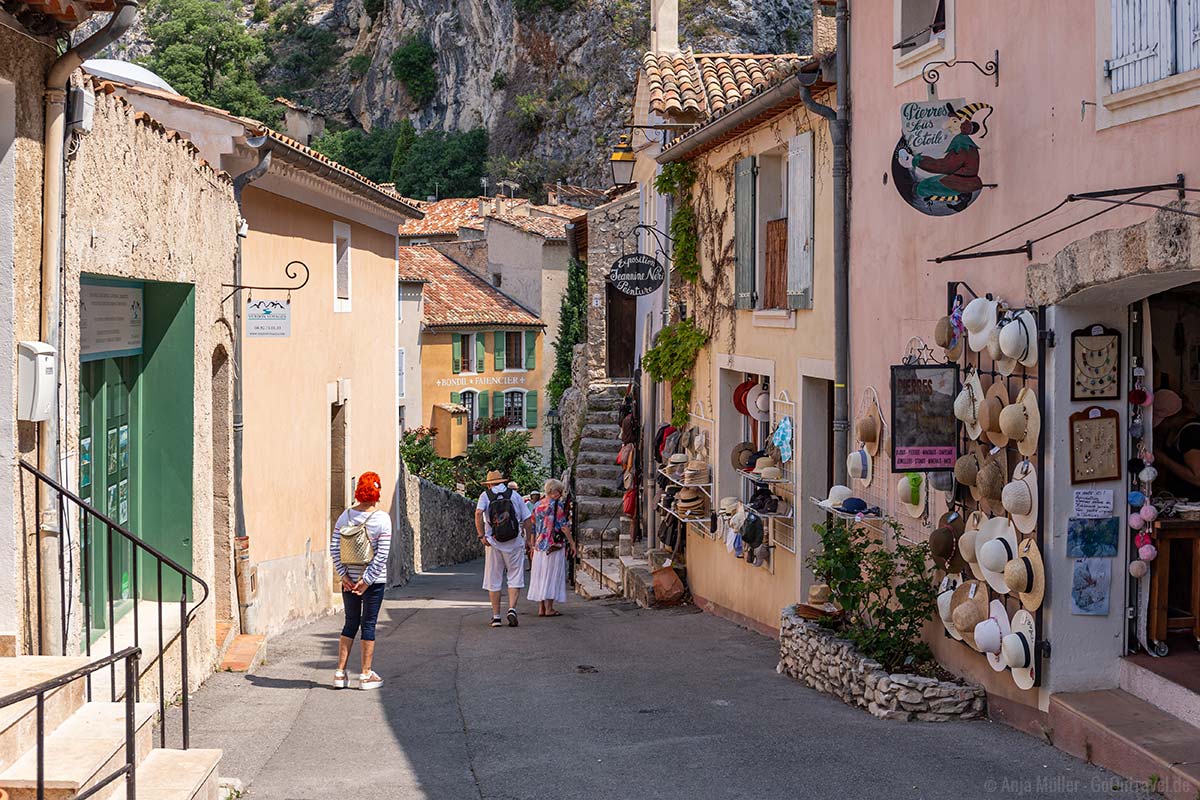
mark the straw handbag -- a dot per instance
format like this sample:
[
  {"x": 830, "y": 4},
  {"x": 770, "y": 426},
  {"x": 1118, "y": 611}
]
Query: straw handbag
[{"x": 356, "y": 549}]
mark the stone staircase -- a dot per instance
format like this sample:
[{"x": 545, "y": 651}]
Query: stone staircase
[
  {"x": 598, "y": 476},
  {"x": 85, "y": 742}
]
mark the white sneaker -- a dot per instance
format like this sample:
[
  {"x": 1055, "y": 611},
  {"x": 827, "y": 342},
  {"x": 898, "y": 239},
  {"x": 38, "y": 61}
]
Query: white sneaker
[
  {"x": 339, "y": 679},
  {"x": 371, "y": 680}
]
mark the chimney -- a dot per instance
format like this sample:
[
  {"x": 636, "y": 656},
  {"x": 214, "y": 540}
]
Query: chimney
[
  {"x": 824, "y": 27},
  {"x": 664, "y": 26}
]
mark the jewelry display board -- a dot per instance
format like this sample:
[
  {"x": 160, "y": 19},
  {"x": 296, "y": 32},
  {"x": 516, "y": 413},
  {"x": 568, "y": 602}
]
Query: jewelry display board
[
  {"x": 1096, "y": 362},
  {"x": 1095, "y": 445}
]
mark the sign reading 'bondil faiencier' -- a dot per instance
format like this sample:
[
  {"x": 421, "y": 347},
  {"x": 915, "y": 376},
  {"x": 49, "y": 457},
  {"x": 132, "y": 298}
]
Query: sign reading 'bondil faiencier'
[{"x": 636, "y": 274}]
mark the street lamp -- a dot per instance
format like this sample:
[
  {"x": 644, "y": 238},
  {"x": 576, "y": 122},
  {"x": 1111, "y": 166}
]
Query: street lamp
[{"x": 622, "y": 161}]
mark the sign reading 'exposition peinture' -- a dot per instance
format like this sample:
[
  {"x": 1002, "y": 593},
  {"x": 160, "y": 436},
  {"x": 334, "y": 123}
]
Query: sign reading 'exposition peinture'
[{"x": 636, "y": 274}]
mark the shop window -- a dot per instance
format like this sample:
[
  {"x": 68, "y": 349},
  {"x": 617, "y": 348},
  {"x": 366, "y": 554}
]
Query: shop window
[
  {"x": 1152, "y": 40},
  {"x": 341, "y": 267},
  {"x": 514, "y": 408}
]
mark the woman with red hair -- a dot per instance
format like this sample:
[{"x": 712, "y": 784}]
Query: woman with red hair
[{"x": 360, "y": 544}]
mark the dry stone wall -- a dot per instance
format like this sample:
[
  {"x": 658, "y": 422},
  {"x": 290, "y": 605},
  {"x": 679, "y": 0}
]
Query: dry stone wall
[
  {"x": 610, "y": 235},
  {"x": 816, "y": 657},
  {"x": 433, "y": 527}
]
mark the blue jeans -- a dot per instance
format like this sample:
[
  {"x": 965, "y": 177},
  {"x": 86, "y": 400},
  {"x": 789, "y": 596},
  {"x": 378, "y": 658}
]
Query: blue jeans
[{"x": 362, "y": 610}]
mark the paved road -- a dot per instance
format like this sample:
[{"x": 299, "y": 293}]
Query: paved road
[{"x": 607, "y": 702}]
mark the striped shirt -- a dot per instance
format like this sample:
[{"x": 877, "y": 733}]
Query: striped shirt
[{"x": 379, "y": 528}]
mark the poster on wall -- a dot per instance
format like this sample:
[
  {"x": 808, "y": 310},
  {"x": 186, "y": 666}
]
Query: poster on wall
[
  {"x": 110, "y": 319},
  {"x": 268, "y": 319},
  {"x": 935, "y": 165},
  {"x": 924, "y": 429},
  {"x": 1092, "y": 538},
  {"x": 1091, "y": 582}
]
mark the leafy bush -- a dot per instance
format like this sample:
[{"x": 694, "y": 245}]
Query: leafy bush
[
  {"x": 499, "y": 79},
  {"x": 504, "y": 450},
  {"x": 359, "y": 64},
  {"x": 367, "y": 153},
  {"x": 672, "y": 359},
  {"x": 572, "y": 329},
  {"x": 450, "y": 163},
  {"x": 301, "y": 52},
  {"x": 532, "y": 7},
  {"x": 677, "y": 179},
  {"x": 412, "y": 64},
  {"x": 529, "y": 109},
  {"x": 262, "y": 10},
  {"x": 887, "y": 594}
]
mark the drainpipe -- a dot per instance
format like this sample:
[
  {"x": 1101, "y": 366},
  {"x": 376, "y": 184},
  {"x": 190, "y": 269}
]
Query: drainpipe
[
  {"x": 53, "y": 212},
  {"x": 839, "y": 129},
  {"x": 242, "y": 539}
]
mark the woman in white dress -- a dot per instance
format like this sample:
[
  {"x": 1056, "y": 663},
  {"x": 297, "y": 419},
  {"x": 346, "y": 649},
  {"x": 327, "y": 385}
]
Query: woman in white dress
[{"x": 552, "y": 538}]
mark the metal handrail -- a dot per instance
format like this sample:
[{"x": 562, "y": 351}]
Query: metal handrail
[
  {"x": 113, "y": 528},
  {"x": 39, "y": 691}
]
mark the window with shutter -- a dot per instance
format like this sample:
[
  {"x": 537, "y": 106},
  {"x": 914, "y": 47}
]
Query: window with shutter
[
  {"x": 479, "y": 353},
  {"x": 744, "y": 244},
  {"x": 514, "y": 408},
  {"x": 531, "y": 409},
  {"x": 341, "y": 266},
  {"x": 920, "y": 21},
  {"x": 497, "y": 404},
  {"x": 1143, "y": 43},
  {"x": 514, "y": 348},
  {"x": 800, "y": 221},
  {"x": 483, "y": 405},
  {"x": 530, "y": 349},
  {"x": 456, "y": 398},
  {"x": 498, "y": 350},
  {"x": 1187, "y": 35},
  {"x": 401, "y": 383},
  {"x": 456, "y": 353}
]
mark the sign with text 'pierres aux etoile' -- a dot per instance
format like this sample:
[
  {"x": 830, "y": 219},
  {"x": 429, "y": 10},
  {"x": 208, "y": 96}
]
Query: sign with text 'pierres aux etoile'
[
  {"x": 636, "y": 274},
  {"x": 935, "y": 165}
]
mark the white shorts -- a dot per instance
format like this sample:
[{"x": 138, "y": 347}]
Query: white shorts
[{"x": 497, "y": 562}]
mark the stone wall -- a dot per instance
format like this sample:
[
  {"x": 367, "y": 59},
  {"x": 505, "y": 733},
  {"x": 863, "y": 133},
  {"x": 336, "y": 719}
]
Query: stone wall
[
  {"x": 610, "y": 235},
  {"x": 573, "y": 405},
  {"x": 433, "y": 527},
  {"x": 816, "y": 657}
]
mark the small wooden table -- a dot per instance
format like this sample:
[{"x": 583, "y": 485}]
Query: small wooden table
[{"x": 1172, "y": 533}]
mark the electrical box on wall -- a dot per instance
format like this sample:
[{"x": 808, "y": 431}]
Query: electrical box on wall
[
  {"x": 37, "y": 381},
  {"x": 82, "y": 110}
]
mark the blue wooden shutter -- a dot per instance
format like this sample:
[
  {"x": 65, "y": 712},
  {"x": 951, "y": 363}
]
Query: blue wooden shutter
[
  {"x": 530, "y": 349},
  {"x": 498, "y": 349},
  {"x": 800, "y": 221},
  {"x": 1143, "y": 43},
  {"x": 498, "y": 402},
  {"x": 743, "y": 234},
  {"x": 456, "y": 356},
  {"x": 531, "y": 412},
  {"x": 479, "y": 353},
  {"x": 1187, "y": 35}
]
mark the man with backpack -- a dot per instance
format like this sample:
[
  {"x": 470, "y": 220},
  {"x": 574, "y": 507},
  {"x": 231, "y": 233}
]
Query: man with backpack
[{"x": 501, "y": 521}]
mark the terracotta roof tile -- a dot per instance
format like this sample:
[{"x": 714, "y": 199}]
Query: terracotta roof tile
[
  {"x": 707, "y": 83},
  {"x": 553, "y": 228},
  {"x": 455, "y": 296},
  {"x": 444, "y": 218}
]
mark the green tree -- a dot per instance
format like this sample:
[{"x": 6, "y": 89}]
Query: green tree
[
  {"x": 406, "y": 135},
  {"x": 202, "y": 49},
  {"x": 453, "y": 161},
  {"x": 572, "y": 329},
  {"x": 412, "y": 64},
  {"x": 301, "y": 52},
  {"x": 368, "y": 153}
]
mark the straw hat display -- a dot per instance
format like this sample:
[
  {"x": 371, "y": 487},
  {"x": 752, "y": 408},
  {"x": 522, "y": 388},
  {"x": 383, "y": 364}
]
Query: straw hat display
[
  {"x": 728, "y": 506},
  {"x": 994, "y": 402},
  {"x": 690, "y": 502},
  {"x": 943, "y": 542},
  {"x": 1026, "y": 575},
  {"x": 820, "y": 603},
  {"x": 945, "y": 594},
  {"x": 966, "y": 470},
  {"x": 990, "y": 633},
  {"x": 695, "y": 472},
  {"x": 868, "y": 430},
  {"x": 911, "y": 493},
  {"x": 1020, "y": 497},
  {"x": 993, "y": 475},
  {"x": 1018, "y": 339},
  {"x": 968, "y": 403},
  {"x": 968, "y": 608},
  {"x": 968, "y": 541},
  {"x": 995, "y": 546},
  {"x": 1017, "y": 649},
  {"x": 949, "y": 338},
  {"x": 677, "y": 463},
  {"x": 979, "y": 318},
  {"x": 1022, "y": 421},
  {"x": 859, "y": 466},
  {"x": 742, "y": 455},
  {"x": 837, "y": 495}
]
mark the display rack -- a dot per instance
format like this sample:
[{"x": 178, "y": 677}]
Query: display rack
[{"x": 783, "y": 526}]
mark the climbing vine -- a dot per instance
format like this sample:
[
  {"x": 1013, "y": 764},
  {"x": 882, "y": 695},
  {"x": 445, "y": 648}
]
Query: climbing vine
[
  {"x": 677, "y": 180},
  {"x": 672, "y": 358}
]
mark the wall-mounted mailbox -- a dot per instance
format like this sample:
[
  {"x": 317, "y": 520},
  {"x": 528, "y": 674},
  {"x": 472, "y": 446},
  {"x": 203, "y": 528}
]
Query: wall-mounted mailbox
[{"x": 37, "y": 381}]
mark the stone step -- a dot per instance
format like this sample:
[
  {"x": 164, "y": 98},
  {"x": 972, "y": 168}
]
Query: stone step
[
  {"x": 82, "y": 751},
  {"x": 596, "y": 457},
  {"x": 1115, "y": 730},
  {"x": 176, "y": 775},
  {"x": 589, "y": 588},
  {"x": 595, "y": 550},
  {"x": 1172, "y": 684},
  {"x": 591, "y": 535},
  {"x": 603, "y": 416},
  {"x": 590, "y": 508},
  {"x": 625, "y": 544},
  {"x": 605, "y": 431},
  {"x": 637, "y": 582},
  {"x": 605, "y": 400},
  {"x": 17, "y": 721},
  {"x": 606, "y": 571},
  {"x": 244, "y": 654},
  {"x": 600, "y": 445},
  {"x": 607, "y": 473}
]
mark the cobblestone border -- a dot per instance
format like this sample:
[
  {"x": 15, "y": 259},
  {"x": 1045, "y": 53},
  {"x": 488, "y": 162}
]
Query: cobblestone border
[{"x": 819, "y": 659}]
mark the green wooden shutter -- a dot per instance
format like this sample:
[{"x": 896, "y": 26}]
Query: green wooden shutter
[
  {"x": 498, "y": 338},
  {"x": 479, "y": 352},
  {"x": 481, "y": 405},
  {"x": 800, "y": 221},
  {"x": 531, "y": 414},
  {"x": 743, "y": 233},
  {"x": 498, "y": 403},
  {"x": 456, "y": 398},
  {"x": 530, "y": 349},
  {"x": 456, "y": 357}
]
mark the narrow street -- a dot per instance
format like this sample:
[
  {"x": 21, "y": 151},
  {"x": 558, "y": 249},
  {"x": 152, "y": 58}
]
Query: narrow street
[{"x": 608, "y": 701}]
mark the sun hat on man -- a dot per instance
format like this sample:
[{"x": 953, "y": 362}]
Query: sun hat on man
[{"x": 494, "y": 477}]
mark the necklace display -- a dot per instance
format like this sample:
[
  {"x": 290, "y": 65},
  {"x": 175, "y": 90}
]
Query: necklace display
[{"x": 1096, "y": 366}]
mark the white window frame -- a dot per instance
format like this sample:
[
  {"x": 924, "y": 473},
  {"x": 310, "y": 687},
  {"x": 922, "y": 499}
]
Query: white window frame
[
  {"x": 343, "y": 305},
  {"x": 521, "y": 350},
  {"x": 940, "y": 47},
  {"x": 468, "y": 354},
  {"x": 524, "y": 407}
]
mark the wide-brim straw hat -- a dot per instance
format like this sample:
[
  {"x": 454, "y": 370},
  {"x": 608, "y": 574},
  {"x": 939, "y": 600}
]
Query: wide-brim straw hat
[
  {"x": 967, "y": 405},
  {"x": 751, "y": 399},
  {"x": 837, "y": 493},
  {"x": 728, "y": 506},
  {"x": 758, "y": 403},
  {"x": 945, "y": 595},
  {"x": 968, "y": 608},
  {"x": 967, "y": 543},
  {"x": 1020, "y": 497},
  {"x": 1018, "y": 338},
  {"x": 494, "y": 477},
  {"x": 979, "y": 318},
  {"x": 1021, "y": 421},
  {"x": 943, "y": 542},
  {"x": 993, "y": 475},
  {"x": 740, "y": 456},
  {"x": 859, "y": 465},
  {"x": 761, "y": 463},
  {"x": 966, "y": 469},
  {"x": 1019, "y": 649},
  {"x": 739, "y": 396},
  {"x": 868, "y": 429},
  {"x": 990, "y": 633},
  {"x": 911, "y": 493},
  {"x": 994, "y": 401},
  {"x": 771, "y": 474},
  {"x": 1026, "y": 575},
  {"x": 995, "y": 546},
  {"x": 948, "y": 338},
  {"x": 1003, "y": 364}
]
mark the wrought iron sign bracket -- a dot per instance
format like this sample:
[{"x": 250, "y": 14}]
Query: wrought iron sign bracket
[
  {"x": 932, "y": 75},
  {"x": 290, "y": 270}
]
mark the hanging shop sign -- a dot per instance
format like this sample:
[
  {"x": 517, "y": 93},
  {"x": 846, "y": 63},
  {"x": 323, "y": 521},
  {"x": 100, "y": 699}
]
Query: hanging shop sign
[
  {"x": 636, "y": 274},
  {"x": 269, "y": 319},
  {"x": 935, "y": 165},
  {"x": 924, "y": 429},
  {"x": 111, "y": 314}
]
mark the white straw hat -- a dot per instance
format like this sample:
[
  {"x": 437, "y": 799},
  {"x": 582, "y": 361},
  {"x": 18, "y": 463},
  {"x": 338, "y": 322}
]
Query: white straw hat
[
  {"x": 1018, "y": 339},
  {"x": 968, "y": 404},
  {"x": 990, "y": 633},
  {"x": 837, "y": 493},
  {"x": 995, "y": 546},
  {"x": 945, "y": 593},
  {"x": 979, "y": 318},
  {"x": 1018, "y": 649},
  {"x": 1020, "y": 497},
  {"x": 911, "y": 493},
  {"x": 858, "y": 465}
]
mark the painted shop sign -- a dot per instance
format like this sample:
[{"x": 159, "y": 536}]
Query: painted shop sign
[
  {"x": 935, "y": 165},
  {"x": 268, "y": 319},
  {"x": 924, "y": 429},
  {"x": 474, "y": 380},
  {"x": 111, "y": 314},
  {"x": 636, "y": 274}
]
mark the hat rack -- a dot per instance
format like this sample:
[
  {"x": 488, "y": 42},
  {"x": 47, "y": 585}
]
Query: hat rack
[
  {"x": 705, "y": 525},
  {"x": 782, "y": 527},
  {"x": 960, "y": 293}
]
